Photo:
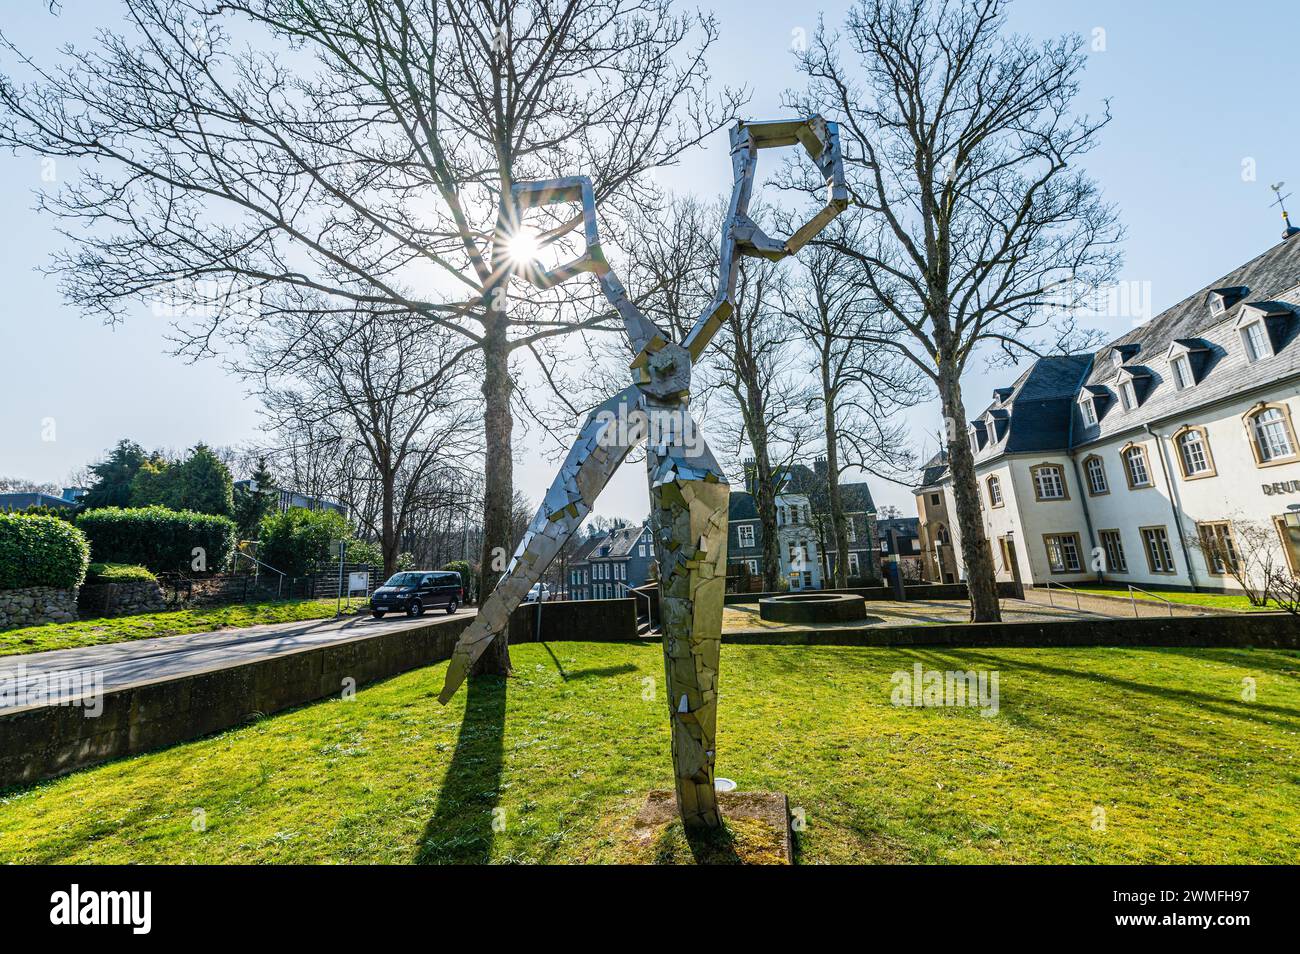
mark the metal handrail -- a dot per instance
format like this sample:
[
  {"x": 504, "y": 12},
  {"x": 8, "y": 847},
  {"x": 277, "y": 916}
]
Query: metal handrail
[
  {"x": 1068, "y": 589},
  {"x": 279, "y": 586},
  {"x": 1133, "y": 599}
]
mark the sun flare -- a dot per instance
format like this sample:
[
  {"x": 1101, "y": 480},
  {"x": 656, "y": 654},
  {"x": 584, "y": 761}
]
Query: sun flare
[{"x": 523, "y": 246}]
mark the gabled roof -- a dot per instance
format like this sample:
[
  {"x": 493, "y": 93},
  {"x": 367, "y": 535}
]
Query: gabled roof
[{"x": 1272, "y": 280}]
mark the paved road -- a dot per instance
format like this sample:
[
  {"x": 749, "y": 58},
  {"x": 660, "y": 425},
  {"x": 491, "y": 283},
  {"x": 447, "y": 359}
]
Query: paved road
[{"x": 148, "y": 660}]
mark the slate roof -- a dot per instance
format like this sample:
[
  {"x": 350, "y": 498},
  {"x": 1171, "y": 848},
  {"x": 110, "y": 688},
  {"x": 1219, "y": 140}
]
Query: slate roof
[
  {"x": 620, "y": 542},
  {"x": 742, "y": 506},
  {"x": 588, "y": 547},
  {"x": 1035, "y": 416},
  {"x": 1273, "y": 277},
  {"x": 1043, "y": 412},
  {"x": 936, "y": 468},
  {"x": 25, "y": 500},
  {"x": 854, "y": 497}
]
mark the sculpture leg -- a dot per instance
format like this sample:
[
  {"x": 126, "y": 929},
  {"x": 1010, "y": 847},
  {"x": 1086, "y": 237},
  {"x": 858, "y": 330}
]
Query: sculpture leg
[
  {"x": 609, "y": 434},
  {"x": 688, "y": 515}
]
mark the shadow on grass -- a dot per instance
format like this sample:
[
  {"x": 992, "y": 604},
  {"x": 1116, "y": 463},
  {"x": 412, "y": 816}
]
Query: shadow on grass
[
  {"x": 460, "y": 831},
  {"x": 715, "y": 846},
  {"x": 1221, "y": 704},
  {"x": 594, "y": 673}
]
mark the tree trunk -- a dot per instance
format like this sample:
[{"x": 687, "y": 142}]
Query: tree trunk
[
  {"x": 839, "y": 527},
  {"x": 499, "y": 481},
  {"x": 975, "y": 551},
  {"x": 389, "y": 539}
]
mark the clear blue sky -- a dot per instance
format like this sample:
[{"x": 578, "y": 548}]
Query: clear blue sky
[{"x": 1195, "y": 89}]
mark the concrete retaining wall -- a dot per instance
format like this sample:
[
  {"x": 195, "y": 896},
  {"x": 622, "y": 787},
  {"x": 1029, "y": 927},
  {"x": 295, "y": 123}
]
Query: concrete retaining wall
[
  {"x": 597, "y": 621},
  {"x": 46, "y": 741},
  {"x": 914, "y": 591},
  {"x": 35, "y": 605},
  {"x": 1259, "y": 630}
]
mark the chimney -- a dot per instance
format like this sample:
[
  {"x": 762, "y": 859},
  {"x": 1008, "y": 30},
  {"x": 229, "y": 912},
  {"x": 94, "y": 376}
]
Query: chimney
[
  {"x": 751, "y": 475},
  {"x": 819, "y": 466}
]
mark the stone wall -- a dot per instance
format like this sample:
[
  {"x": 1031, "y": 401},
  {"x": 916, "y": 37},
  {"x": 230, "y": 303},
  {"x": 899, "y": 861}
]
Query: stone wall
[
  {"x": 121, "y": 599},
  {"x": 34, "y": 605}
]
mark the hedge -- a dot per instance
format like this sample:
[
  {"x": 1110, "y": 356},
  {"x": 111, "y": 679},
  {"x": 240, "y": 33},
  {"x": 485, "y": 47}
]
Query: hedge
[
  {"x": 165, "y": 541},
  {"x": 41, "y": 551},
  {"x": 119, "y": 573}
]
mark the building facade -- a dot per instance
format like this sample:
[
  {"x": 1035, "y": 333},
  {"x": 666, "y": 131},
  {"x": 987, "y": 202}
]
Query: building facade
[
  {"x": 1169, "y": 459},
  {"x": 610, "y": 564},
  {"x": 900, "y": 538},
  {"x": 805, "y": 538},
  {"x": 934, "y": 522}
]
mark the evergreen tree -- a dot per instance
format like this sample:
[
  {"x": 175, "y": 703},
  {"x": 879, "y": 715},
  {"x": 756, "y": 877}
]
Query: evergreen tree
[
  {"x": 205, "y": 483},
  {"x": 114, "y": 474},
  {"x": 253, "y": 505}
]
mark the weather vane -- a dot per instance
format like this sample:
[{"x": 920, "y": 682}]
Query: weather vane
[
  {"x": 1280, "y": 202},
  {"x": 688, "y": 492}
]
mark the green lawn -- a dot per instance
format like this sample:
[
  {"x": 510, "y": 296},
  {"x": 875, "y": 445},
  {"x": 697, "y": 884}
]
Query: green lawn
[
  {"x": 1161, "y": 740},
  {"x": 1224, "y": 601},
  {"x": 121, "y": 629}
]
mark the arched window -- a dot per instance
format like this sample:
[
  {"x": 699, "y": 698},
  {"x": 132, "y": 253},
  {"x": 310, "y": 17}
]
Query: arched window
[
  {"x": 995, "y": 491},
  {"x": 1271, "y": 436},
  {"x": 1095, "y": 471},
  {"x": 1193, "y": 446},
  {"x": 1137, "y": 471}
]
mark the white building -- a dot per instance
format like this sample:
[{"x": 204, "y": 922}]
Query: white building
[{"x": 1152, "y": 461}]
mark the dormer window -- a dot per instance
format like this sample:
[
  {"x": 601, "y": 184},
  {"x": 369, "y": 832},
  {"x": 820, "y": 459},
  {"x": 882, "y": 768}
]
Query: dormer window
[
  {"x": 1127, "y": 396},
  {"x": 1255, "y": 340},
  {"x": 1221, "y": 299},
  {"x": 1182, "y": 372},
  {"x": 1088, "y": 411},
  {"x": 1116, "y": 360}
]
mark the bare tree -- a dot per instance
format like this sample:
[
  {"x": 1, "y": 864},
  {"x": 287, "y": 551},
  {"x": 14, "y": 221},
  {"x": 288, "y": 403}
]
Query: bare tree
[
  {"x": 960, "y": 143},
  {"x": 361, "y": 150},
  {"x": 860, "y": 388},
  {"x": 1247, "y": 551},
  {"x": 386, "y": 381},
  {"x": 765, "y": 413}
]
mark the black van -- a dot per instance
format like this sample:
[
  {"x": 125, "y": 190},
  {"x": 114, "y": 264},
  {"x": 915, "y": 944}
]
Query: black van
[{"x": 414, "y": 591}]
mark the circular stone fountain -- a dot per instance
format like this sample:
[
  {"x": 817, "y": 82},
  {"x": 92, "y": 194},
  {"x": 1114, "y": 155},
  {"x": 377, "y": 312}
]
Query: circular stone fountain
[{"x": 813, "y": 608}]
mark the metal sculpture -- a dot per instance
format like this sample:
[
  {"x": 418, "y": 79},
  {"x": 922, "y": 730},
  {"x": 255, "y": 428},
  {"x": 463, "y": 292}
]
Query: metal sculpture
[{"x": 688, "y": 493}]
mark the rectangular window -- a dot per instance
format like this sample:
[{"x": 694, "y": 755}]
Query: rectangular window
[
  {"x": 1127, "y": 396},
  {"x": 853, "y": 564},
  {"x": 1218, "y": 547},
  {"x": 1191, "y": 452},
  {"x": 934, "y": 500},
  {"x": 1049, "y": 482},
  {"x": 995, "y": 492},
  {"x": 1096, "y": 472},
  {"x": 1063, "y": 552},
  {"x": 745, "y": 533},
  {"x": 1114, "y": 548},
  {"x": 1089, "y": 413},
  {"x": 851, "y": 531},
  {"x": 1256, "y": 341},
  {"x": 1160, "y": 558},
  {"x": 1182, "y": 373},
  {"x": 753, "y": 566},
  {"x": 1135, "y": 464}
]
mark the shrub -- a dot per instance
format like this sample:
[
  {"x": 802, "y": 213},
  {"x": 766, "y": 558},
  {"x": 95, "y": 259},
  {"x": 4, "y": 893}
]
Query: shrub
[
  {"x": 118, "y": 573},
  {"x": 163, "y": 540},
  {"x": 39, "y": 550},
  {"x": 365, "y": 551},
  {"x": 295, "y": 541}
]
